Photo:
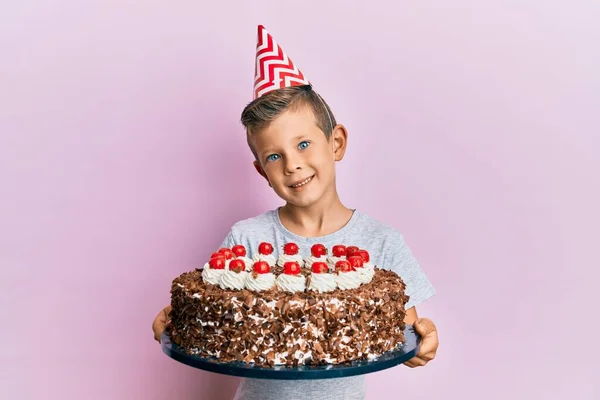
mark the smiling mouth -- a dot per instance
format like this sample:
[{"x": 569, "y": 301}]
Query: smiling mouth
[{"x": 302, "y": 183}]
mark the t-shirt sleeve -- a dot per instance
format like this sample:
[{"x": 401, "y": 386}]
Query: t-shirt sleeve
[
  {"x": 229, "y": 240},
  {"x": 400, "y": 259}
]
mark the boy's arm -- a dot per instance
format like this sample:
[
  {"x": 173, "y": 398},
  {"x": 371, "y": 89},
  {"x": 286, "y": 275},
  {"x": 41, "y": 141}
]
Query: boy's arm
[
  {"x": 411, "y": 316},
  {"x": 399, "y": 258},
  {"x": 429, "y": 338}
]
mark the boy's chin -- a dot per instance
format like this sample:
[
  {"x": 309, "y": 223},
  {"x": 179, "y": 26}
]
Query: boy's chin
[
  {"x": 302, "y": 202},
  {"x": 312, "y": 196}
]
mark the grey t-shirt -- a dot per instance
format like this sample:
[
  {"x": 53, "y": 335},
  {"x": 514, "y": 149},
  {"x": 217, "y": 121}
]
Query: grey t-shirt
[{"x": 387, "y": 250}]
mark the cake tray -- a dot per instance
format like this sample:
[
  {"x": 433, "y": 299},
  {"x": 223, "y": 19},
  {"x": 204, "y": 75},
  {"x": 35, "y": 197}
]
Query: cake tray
[{"x": 401, "y": 354}]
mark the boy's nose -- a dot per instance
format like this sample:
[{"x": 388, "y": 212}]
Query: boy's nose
[{"x": 292, "y": 164}]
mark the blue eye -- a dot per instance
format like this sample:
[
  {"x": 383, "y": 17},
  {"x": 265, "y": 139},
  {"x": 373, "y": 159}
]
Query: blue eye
[
  {"x": 273, "y": 157},
  {"x": 303, "y": 145}
]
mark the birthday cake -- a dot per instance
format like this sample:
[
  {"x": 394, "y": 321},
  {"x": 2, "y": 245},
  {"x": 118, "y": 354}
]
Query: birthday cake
[{"x": 330, "y": 308}]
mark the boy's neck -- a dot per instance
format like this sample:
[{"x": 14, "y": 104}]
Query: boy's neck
[{"x": 318, "y": 220}]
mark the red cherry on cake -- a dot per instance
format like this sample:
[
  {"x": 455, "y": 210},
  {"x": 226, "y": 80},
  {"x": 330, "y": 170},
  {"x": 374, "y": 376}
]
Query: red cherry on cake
[
  {"x": 356, "y": 261},
  {"x": 261, "y": 267},
  {"x": 213, "y": 255},
  {"x": 339, "y": 250},
  {"x": 343, "y": 266},
  {"x": 217, "y": 262},
  {"x": 318, "y": 250},
  {"x": 290, "y": 249},
  {"x": 239, "y": 250},
  {"x": 351, "y": 250},
  {"x": 291, "y": 268},
  {"x": 236, "y": 265},
  {"x": 226, "y": 252},
  {"x": 265, "y": 248},
  {"x": 365, "y": 255},
  {"x": 319, "y": 267}
]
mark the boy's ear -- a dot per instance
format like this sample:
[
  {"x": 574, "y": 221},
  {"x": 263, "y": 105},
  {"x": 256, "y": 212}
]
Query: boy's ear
[
  {"x": 339, "y": 139},
  {"x": 260, "y": 171}
]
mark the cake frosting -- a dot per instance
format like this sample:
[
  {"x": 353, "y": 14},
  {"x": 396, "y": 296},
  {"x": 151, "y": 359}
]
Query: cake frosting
[
  {"x": 291, "y": 283},
  {"x": 322, "y": 282},
  {"x": 288, "y": 258},
  {"x": 269, "y": 258},
  {"x": 312, "y": 259},
  {"x": 233, "y": 280},
  {"x": 347, "y": 280},
  {"x": 366, "y": 273},
  {"x": 331, "y": 261},
  {"x": 212, "y": 276},
  {"x": 260, "y": 282},
  {"x": 287, "y": 316}
]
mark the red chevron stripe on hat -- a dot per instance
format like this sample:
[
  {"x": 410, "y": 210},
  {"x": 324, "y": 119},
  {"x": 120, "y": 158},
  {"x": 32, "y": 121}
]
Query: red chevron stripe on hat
[{"x": 274, "y": 69}]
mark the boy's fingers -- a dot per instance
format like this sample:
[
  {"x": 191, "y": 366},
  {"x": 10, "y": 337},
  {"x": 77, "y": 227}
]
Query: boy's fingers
[
  {"x": 427, "y": 356},
  {"x": 160, "y": 323},
  {"x": 158, "y": 329},
  {"x": 424, "y": 326},
  {"x": 429, "y": 344},
  {"x": 415, "y": 362}
]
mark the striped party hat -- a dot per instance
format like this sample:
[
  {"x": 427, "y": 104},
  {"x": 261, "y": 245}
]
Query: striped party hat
[{"x": 274, "y": 69}]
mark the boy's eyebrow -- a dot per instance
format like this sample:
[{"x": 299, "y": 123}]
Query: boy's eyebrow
[{"x": 266, "y": 151}]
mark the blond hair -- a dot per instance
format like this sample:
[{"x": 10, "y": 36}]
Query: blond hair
[{"x": 262, "y": 111}]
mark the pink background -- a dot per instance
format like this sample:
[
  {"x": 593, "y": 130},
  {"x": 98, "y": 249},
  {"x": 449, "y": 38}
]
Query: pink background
[{"x": 474, "y": 129}]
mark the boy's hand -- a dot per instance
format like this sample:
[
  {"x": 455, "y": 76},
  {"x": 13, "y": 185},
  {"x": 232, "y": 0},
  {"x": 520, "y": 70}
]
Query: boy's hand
[
  {"x": 160, "y": 322},
  {"x": 429, "y": 343}
]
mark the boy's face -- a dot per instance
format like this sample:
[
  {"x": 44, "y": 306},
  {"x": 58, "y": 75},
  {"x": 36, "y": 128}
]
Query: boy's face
[{"x": 297, "y": 159}]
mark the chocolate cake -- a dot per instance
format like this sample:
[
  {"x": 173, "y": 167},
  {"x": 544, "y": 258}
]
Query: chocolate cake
[{"x": 339, "y": 309}]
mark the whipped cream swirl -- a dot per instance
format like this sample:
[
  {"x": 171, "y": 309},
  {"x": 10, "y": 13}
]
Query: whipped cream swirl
[
  {"x": 332, "y": 260},
  {"x": 348, "y": 280},
  {"x": 366, "y": 273},
  {"x": 212, "y": 276},
  {"x": 287, "y": 258},
  {"x": 323, "y": 282},
  {"x": 291, "y": 283},
  {"x": 312, "y": 259},
  {"x": 233, "y": 280},
  {"x": 261, "y": 282},
  {"x": 269, "y": 258}
]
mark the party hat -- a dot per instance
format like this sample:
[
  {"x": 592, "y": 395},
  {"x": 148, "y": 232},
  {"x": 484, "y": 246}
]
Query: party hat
[{"x": 274, "y": 69}]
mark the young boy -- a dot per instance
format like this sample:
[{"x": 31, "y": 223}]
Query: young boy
[{"x": 296, "y": 142}]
